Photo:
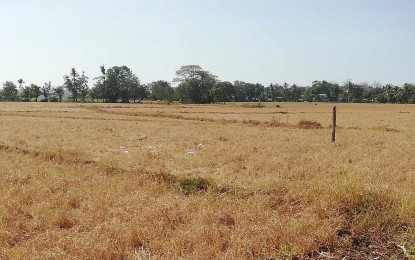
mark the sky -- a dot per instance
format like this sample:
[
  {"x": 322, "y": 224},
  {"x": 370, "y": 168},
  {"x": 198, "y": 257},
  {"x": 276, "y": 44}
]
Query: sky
[{"x": 256, "y": 41}]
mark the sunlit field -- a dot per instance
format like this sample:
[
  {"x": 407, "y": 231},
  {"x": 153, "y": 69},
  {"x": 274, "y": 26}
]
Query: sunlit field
[{"x": 232, "y": 181}]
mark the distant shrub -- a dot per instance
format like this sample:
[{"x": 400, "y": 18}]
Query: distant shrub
[
  {"x": 227, "y": 220},
  {"x": 307, "y": 124},
  {"x": 53, "y": 99},
  {"x": 192, "y": 185},
  {"x": 62, "y": 221}
]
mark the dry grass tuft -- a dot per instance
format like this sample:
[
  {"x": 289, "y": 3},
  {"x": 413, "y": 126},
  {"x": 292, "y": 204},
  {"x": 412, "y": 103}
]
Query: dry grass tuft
[
  {"x": 227, "y": 220},
  {"x": 308, "y": 124},
  {"x": 252, "y": 122},
  {"x": 63, "y": 221},
  {"x": 223, "y": 139},
  {"x": 275, "y": 123},
  {"x": 388, "y": 129}
]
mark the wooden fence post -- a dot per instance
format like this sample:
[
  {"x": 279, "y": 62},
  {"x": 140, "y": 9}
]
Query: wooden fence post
[{"x": 333, "y": 125}]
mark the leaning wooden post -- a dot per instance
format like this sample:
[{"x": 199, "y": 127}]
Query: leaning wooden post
[{"x": 333, "y": 126}]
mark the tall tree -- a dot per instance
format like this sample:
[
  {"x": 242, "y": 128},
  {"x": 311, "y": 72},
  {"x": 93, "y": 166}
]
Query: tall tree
[
  {"x": 252, "y": 92},
  {"x": 286, "y": 91},
  {"x": 295, "y": 93},
  {"x": 273, "y": 92},
  {"x": 76, "y": 84},
  {"x": 390, "y": 92},
  {"x": 97, "y": 91},
  {"x": 59, "y": 92},
  {"x": 46, "y": 90},
  {"x": 223, "y": 92},
  {"x": 162, "y": 90},
  {"x": 20, "y": 81},
  {"x": 191, "y": 91},
  {"x": 35, "y": 91},
  {"x": 118, "y": 82},
  {"x": 103, "y": 72},
  {"x": 9, "y": 92},
  {"x": 194, "y": 84},
  {"x": 240, "y": 91},
  {"x": 26, "y": 93},
  {"x": 354, "y": 92},
  {"x": 138, "y": 92},
  {"x": 95, "y": 94}
]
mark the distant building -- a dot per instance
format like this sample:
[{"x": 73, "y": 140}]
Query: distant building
[{"x": 321, "y": 98}]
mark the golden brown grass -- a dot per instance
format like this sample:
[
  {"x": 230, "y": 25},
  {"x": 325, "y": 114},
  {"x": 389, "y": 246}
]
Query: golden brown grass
[
  {"x": 307, "y": 124},
  {"x": 101, "y": 181}
]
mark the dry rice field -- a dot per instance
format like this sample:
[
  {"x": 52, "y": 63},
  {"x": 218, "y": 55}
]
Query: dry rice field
[{"x": 234, "y": 181}]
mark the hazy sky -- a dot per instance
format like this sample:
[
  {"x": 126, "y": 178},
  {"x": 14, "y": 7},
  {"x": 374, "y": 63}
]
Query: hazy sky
[{"x": 264, "y": 41}]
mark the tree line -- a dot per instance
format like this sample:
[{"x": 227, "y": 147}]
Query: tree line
[{"x": 192, "y": 84}]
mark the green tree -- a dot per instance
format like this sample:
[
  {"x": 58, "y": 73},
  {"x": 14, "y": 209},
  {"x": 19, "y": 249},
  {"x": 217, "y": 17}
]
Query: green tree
[
  {"x": 95, "y": 94},
  {"x": 377, "y": 94},
  {"x": 76, "y": 84},
  {"x": 223, "y": 92},
  {"x": 240, "y": 91},
  {"x": 20, "y": 81},
  {"x": 271, "y": 92},
  {"x": 138, "y": 92},
  {"x": 46, "y": 90},
  {"x": 381, "y": 98},
  {"x": 9, "y": 92},
  {"x": 59, "y": 92},
  {"x": 103, "y": 76},
  {"x": 118, "y": 82},
  {"x": 285, "y": 92},
  {"x": 194, "y": 84},
  {"x": 354, "y": 91},
  {"x": 84, "y": 93},
  {"x": 26, "y": 94},
  {"x": 192, "y": 91},
  {"x": 295, "y": 93},
  {"x": 405, "y": 93},
  {"x": 390, "y": 91},
  {"x": 331, "y": 90},
  {"x": 253, "y": 92},
  {"x": 250, "y": 91},
  {"x": 162, "y": 90},
  {"x": 36, "y": 92}
]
